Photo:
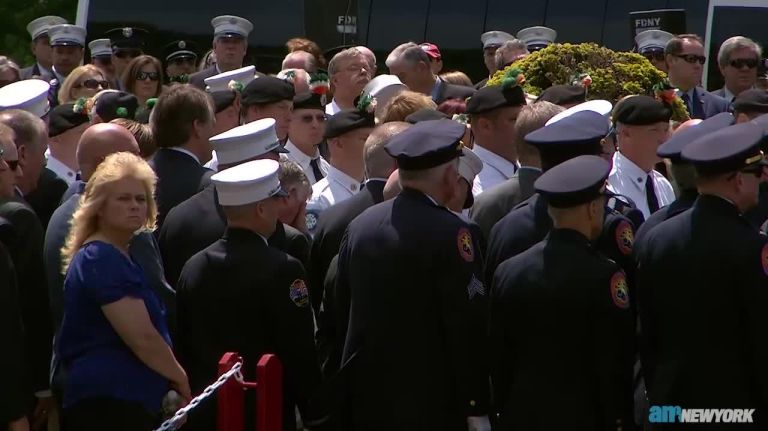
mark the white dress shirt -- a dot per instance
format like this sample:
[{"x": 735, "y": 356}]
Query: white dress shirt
[
  {"x": 334, "y": 188},
  {"x": 332, "y": 108},
  {"x": 496, "y": 170},
  {"x": 61, "y": 170},
  {"x": 627, "y": 179},
  {"x": 303, "y": 160}
]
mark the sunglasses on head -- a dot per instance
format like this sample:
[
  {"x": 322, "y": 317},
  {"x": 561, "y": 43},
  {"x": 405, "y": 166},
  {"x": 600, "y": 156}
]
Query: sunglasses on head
[
  {"x": 93, "y": 84},
  {"x": 738, "y": 63},
  {"x": 692, "y": 58},
  {"x": 307, "y": 118},
  {"x": 152, "y": 76},
  {"x": 125, "y": 53}
]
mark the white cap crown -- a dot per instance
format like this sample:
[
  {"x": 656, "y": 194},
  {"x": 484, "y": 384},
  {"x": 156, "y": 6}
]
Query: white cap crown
[
  {"x": 602, "y": 107},
  {"x": 221, "y": 82},
  {"x": 67, "y": 34},
  {"x": 537, "y": 36},
  {"x": 30, "y": 95},
  {"x": 248, "y": 183},
  {"x": 231, "y": 25},
  {"x": 495, "y": 38},
  {"x": 39, "y": 26},
  {"x": 245, "y": 142}
]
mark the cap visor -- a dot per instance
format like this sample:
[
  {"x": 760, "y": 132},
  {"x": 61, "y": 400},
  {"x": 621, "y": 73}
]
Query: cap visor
[
  {"x": 67, "y": 43},
  {"x": 231, "y": 35}
]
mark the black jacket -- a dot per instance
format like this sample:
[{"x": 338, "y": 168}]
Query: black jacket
[
  {"x": 197, "y": 79},
  {"x": 493, "y": 204},
  {"x": 46, "y": 197},
  {"x": 179, "y": 176}
]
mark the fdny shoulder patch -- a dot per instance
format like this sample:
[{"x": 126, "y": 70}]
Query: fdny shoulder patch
[
  {"x": 311, "y": 219},
  {"x": 620, "y": 290},
  {"x": 625, "y": 237},
  {"x": 299, "y": 293},
  {"x": 466, "y": 248}
]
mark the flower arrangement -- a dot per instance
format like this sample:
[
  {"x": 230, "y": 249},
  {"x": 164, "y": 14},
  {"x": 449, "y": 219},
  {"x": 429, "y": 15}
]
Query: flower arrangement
[
  {"x": 320, "y": 84},
  {"x": 235, "y": 86},
  {"x": 81, "y": 106},
  {"x": 367, "y": 103}
]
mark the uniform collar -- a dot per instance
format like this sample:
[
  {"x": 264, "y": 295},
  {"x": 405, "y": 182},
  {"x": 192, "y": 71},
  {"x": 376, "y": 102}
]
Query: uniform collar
[
  {"x": 57, "y": 75},
  {"x": 44, "y": 70},
  {"x": 495, "y": 161},
  {"x": 185, "y": 151},
  {"x": 242, "y": 233},
  {"x": 332, "y": 108},
  {"x": 61, "y": 170},
  {"x": 345, "y": 181},
  {"x": 717, "y": 203},
  {"x": 299, "y": 156},
  {"x": 626, "y": 168}
]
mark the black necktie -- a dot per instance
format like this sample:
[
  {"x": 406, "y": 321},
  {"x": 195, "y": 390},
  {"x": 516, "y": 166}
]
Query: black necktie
[
  {"x": 315, "y": 163},
  {"x": 687, "y": 101},
  {"x": 650, "y": 194}
]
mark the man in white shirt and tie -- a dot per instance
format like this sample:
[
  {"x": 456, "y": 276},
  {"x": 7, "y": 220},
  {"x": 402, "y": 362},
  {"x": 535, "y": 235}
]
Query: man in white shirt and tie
[
  {"x": 642, "y": 124},
  {"x": 305, "y": 132},
  {"x": 349, "y": 72}
]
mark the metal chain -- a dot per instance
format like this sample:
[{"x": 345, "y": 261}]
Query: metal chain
[{"x": 172, "y": 423}]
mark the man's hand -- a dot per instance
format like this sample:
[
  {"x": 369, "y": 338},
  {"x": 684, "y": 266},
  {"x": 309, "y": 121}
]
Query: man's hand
[{"x": 300, "y": 221}]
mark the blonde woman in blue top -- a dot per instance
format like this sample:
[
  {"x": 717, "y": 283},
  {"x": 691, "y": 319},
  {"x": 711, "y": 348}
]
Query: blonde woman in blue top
[{"x": 114, "y": 342}]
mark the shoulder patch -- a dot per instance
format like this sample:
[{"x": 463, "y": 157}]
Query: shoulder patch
[
  {"x": 466, "y": 248},
  {"x": 764, "y": 259},
  {"x": 299, "y": 293},
  {"x": 620, "y": 290},
  {"x": 311, "y": 219},
  {"x": 475, "y": 287},
  {"x": 625, "y": 237}
]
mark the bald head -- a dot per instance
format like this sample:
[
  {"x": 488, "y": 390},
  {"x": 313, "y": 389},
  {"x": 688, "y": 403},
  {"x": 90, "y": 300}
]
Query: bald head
[
  {"x": 300, "y": 79},
  {"x": 687, "y": 125},
  {"x": 99, "y": 141},
  {"x": 300, "y": 60},
  {"x": 379, "y": 164}
]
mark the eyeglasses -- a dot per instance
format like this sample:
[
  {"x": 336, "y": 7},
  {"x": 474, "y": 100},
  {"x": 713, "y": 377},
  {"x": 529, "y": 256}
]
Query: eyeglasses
[
  {"x": 152, "y": 76},
  {"x": 692, "y": 58},
  {"x": 93, "y": 84},
  {"x": 654, "y": 55},
  {"x": 307, "y": 118},
  {"x": 125, "y": 53},
  {"x": 738, "y": 63}
]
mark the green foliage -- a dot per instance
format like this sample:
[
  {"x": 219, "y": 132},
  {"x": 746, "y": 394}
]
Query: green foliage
[{"x": 14, "y": 17}]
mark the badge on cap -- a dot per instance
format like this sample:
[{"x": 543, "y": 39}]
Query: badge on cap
[
  {"x": 625, "y": 237},
  {"x": 764, "y": 259},
  {"x": 299, "y": 293},
  {"x": 127, "y": 31},
  {"x": 620, "y": 290},
  {"x": 466, "y": 249},
  {"x": 182, "y": 44},
  {"x": 475, "y": 287},
  {"x": 233, "y": 21}
]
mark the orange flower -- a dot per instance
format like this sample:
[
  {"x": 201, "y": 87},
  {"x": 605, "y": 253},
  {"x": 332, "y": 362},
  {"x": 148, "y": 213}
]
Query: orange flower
[{"x": 520, "y": 79}]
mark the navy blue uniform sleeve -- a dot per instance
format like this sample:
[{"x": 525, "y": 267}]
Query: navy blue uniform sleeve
[{"x": 13, "y": 387}]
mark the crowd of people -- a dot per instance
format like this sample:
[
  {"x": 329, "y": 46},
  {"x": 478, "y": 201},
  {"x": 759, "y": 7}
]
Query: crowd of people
[{"x": 420, "y": 252}]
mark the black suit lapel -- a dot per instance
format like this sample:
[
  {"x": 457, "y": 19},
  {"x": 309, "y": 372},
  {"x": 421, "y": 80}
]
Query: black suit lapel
[{"x": 375, "y": 189}]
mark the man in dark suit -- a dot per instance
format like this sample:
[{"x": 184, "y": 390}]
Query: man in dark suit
[
  {"x": 230, "y": 43},
  {"x": 331, "y": 227},
  {"x": 411, "y": 64},
  {"x": 199, "y": 221},
  {"x": 493, "y": 204},
  {"x": 41, "y": 48},
  {"x": 182, "y": 122},
  {"x": 414, "y": 259},
  {"x": 241, "y": 295},
  {"x": 685, "y": 59}
]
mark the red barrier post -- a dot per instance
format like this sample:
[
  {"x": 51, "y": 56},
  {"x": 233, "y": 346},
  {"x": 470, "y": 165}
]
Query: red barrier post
[
  {"x": 269, "y": 394},
  {"x": 230, "y": 398}
]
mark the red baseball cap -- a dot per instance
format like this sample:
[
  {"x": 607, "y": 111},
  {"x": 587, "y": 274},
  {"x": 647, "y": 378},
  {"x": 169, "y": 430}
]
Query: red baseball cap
[{"x": 432, "y": 50}]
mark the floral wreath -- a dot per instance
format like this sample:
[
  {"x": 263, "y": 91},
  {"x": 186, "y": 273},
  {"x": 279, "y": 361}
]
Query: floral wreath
[
  {"x": 367, "y": 103},
  {"x": 83, "y": 106},
  {"x": 582, "y": 80},
  {"x": 667, "y": 94}
]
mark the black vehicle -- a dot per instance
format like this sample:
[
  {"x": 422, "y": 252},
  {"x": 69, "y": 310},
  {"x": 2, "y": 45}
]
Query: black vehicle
[{"x": 454, "y": 25}]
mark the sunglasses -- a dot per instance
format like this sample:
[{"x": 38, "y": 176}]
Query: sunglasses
[
  {"x": 93, "y": 84},
  {"x": 307, "y": 118},
  {"x": 654, "y": 55},
  {"x": 125, "y": 53},
  {"x": 692, "y": 58},
  {"x": 738, "y": 63},
  {"x": 152, "y": 76}
]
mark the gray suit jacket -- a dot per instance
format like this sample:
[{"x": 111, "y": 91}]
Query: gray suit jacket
[
  {"x": 34, "y": 70},
  {"x": 493, "y": 204}
]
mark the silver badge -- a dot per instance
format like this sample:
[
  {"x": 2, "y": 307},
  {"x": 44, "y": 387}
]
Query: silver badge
[
  {"x": 182, "y": 44},
  {"x": 127, "y": 32}
]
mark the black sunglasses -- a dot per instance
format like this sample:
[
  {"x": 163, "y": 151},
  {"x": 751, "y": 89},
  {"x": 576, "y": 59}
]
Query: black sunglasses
[
  {"x": 307, "y": 118},
  {"x": 741, "y": 62},
  {"x": 692, "y": 58},
  {"x": 152, "y": 76},
  {"x": 125, "y": 53},
  {"x": 93, "y": 84}
]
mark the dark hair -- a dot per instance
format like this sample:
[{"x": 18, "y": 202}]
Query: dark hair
[
  {"x": 134, "y": 67},
  {"x": 675, "y": 45},
  {"x": 175, "y": 113}
]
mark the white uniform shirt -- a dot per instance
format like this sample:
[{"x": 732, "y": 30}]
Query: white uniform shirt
[
  {"x": 334, "y": 188},
  {"x": 496, "y": 170},
  {"x": 61, "y": 170},
  {"x": 627, "y": 179},
  {"x": 303, "y": 160},
  {"x": 332, "y": 108}
]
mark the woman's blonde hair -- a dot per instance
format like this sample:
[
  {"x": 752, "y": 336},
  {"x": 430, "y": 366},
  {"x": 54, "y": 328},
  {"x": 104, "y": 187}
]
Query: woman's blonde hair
[
  {"x": 65, "y": 92},
  {"x": 405, "y": 104},
  {"x": 85, "y": 221}
]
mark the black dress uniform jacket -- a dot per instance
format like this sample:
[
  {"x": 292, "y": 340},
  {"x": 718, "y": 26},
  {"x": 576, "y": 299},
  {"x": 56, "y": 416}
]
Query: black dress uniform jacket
[
  {"x": 26, "y": 249},
  {"x": 199, "y": 222},
  {"x": 330, "y": 229},
  {"x": 46, "y": 197},
  {"x": 529, "y": 223},
  {"x": 179, "y": 176},
  {"x": 680, "y": 205},
  {"x": 415, "y": 353},
  {"x": 562, "y": 339},
  {"x": 702, "y": 299},
  {"x": 493, "y": 204},
  {"x": 241, "y": 295},
  {"x": 197, "y": 79}
]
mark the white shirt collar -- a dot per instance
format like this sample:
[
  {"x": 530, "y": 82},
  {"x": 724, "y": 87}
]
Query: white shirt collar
[
  {"x": 344, "y": 180},
  {"x": 299, "y": 156},
  {"x": 61, "y": 170},
  {"x": 495, "y": 161},
  {"x": 628, "y": 169},
  {"x": 185, "y": 151},
  {"x": 332, "y": 108}
]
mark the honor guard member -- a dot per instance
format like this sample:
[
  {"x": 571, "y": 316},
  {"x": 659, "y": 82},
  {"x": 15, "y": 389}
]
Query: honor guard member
[
  {"x": 198, "y": 221},
  {"x": 682, "y": 171},
  {"x": 230, "y": 43},
  {"x": 67, "y": 42},
  {"x": 491, "y": 41},
  {"x": 537, "y": 37},
  {"x": 101, "y": 57},
  {"x": 67, "y": 125},
  {"x": 41, "y": 48},
  {"x": 579, "y": 134},
  {"x": 434, "y": 347},
  {"x": 127, "y": 44},
  {"x": 180, "y": 60},
  {"x": 242, "y": 295},
  {"x": 651, "y": 43},
  {"x": 225, "y": 90},
  {"x": 305, "y": 133},
  {"x": 563, "y": 338},
  {"x": 346, "y": 133},
  {"x": 493, "y": 112},
  {"x": 702, "y": 277},
  {"x": 642, "y": 124}
]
